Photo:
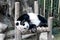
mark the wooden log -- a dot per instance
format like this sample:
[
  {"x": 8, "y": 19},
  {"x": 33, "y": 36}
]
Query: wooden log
[
  {"x": 12, "y": 32},
  {"x": 23, "y": 37},
  {"x": 10, "y": 39},
  {"x": 18, "y": 35},
  {"x": 27, "y": 35},
  {"x": 39, "y": 30},
  {"x": 36, "y": 7},
  {"x": 50, "y": 28}
]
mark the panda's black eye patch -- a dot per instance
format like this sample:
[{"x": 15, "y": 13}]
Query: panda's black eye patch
[{"x": 17, "y": 23}]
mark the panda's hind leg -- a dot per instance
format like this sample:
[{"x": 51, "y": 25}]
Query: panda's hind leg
[
  {"x": 33, "y": 28},
  {"x": 43, "y": 25}
]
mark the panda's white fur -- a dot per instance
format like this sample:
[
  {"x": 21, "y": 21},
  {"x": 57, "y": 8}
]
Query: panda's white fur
[{"x": 34, "y": 19}]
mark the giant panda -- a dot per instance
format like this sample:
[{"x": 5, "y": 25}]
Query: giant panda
[{"x": 33, "y": 20}]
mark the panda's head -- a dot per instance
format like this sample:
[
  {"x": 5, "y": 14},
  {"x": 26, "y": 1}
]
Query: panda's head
[{"x": 23, "y": 27}]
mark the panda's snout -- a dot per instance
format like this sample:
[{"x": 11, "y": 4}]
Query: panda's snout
[{"x": 24, "y": 28}]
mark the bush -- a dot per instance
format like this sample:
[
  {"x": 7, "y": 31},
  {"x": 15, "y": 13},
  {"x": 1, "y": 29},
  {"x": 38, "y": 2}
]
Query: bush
[{"x": 56, "y": 23}]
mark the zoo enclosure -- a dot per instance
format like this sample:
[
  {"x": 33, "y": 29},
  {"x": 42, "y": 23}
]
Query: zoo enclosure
[{"x": 18, "y": 35}]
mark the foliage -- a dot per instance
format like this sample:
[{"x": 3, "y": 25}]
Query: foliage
[{"x": 56, "y": 22}]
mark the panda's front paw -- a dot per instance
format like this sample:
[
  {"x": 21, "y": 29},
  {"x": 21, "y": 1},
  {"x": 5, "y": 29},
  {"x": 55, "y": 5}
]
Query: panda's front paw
[{"x": 33, "y": 30}]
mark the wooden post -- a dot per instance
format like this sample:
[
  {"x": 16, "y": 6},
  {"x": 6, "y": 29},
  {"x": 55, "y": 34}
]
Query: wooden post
[
  {"x": 51, "y": 6},
  {"x": 59, "y": 10},
  {"x": 49, "y": 34},
  {"x": 10, "y": 6},
  {"x": 44, "y": 9},
  {"x": 17, "y": 8},
  {"x": 36, "y": 12},
  {"x": 36, "y": 7},
  {"x": 18, "y": 35},
  {"x": 2, "y": 36}
]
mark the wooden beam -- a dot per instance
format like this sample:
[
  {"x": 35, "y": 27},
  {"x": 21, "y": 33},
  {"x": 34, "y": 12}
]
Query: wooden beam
[{"x": 39, "y": 30}]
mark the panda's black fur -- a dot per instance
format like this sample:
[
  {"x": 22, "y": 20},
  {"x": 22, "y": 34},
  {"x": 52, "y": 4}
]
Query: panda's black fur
[{"x": 25, "y": 17}]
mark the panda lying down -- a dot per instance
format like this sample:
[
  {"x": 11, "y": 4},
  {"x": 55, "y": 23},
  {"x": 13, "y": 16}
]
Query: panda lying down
[{"x": 30, "y": 21}]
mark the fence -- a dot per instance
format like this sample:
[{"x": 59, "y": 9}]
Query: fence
[{"x": 18, "y": 35}]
